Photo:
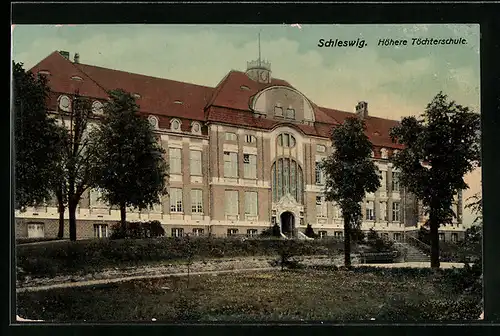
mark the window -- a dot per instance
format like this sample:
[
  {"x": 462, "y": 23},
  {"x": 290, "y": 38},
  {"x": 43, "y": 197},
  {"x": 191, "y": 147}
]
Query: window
[
  {"x": 231, "y": 136},
  {"x": 454, "y": 237},
  {"x": 251, "y": 203},
  {"x": 175, "y": 125},
  {"x": 337, "y": 211},
  {"x": 290, "y": 113},
  {"x": 385, "y": 235},
  {"x": 372, "y": 154},
  {"x": 383, "y": 153},
  {"x": 278, "y": 111},
  {"x": 320, "y": 148},
  {"x": 287, "y": 178},
  {"x": 65, "y": 103},
  {"x": 383, "y": 211},
  {"x": 36, "y": 230},
  {"x": 176, "y": 232},
  {"x": 153, "y": 121},
  {"x": 370, "y": 210},
  {"x": 322, "y": 234},
  {"x": 176, "y": 200},
  {"x": 230, "y": 164},
  {"x": 198, "y": 232},
  {"x": 175, "y": 160},
  {"x": 195, "y": 162},
  {"x": 249, "y": 166},
  {"x": 250, "y": 138},
  {"x": 383, "y": 180},
  {"x": 232, "y": 232},
  {"x": 232, "y": 201},
  {"x": 286, "y": 140},
  {"x": 196, "y": 128},
  {"x": 100, "y": 230},
  {"x": 441, "y": 236},
  {"x": 395, "y": 212},
  {"x": 97, "y": 107},
  {"x": 252, "y": 232},
  {"x": 321, "y": 207},
  {"x": 196, "y": 201},
  {"x": 395, "y": 181},
  {"x": 338, "y": 234},
  {"x": 320, "y": 176},
  {"x": 397, "y": 236}
]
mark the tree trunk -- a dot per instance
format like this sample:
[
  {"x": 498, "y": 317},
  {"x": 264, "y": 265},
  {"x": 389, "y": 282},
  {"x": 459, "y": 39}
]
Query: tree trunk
[
  {"x": 123, "y": 216},
  {"x": 434, "y": 236},
  {"x": 72, "y": 219},
  {"x": 347, "y": 242}
]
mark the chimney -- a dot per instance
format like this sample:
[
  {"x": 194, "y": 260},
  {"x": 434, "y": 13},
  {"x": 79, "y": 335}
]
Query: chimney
[
  {"x": 76, "y": 58},
  {"x": 362, "y": 109},
  {"x": 64, "y": 54}
]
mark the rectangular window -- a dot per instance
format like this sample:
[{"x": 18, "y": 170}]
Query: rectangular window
[
  {"x": 395, "y": 212},
  {"x": 454, "y": 237},
  {"x": 338, "y": 234},
  {"x": 252, "y": 232},
  {"x": 231, "y": 136},
  {"x": 370, "y": 210},
  {"x": 176, "y": 200},
  {"x": 232, "y": 232},
  {"x": 36, "y": 230},
  {"x": 320, "y": 148},
  {"x": 395, "y": 181},
  {"x": 322, "y": 234},
  {"x": 198, "y": 232},
  {"x": 250, "y": 166},
  {"x": 337, "y": 211},
  {"x": 231, "y": 202},
  {"x": 290, "y": 113},
  {"x": 175, "y": 160},
  {"x": 441, "y": 236},
  {"x": 100, "y": 230},
  {"x": 251, "y": 203},
  {"x": 383, "y": 211},
  {"x": 250, "y": 138},
  {"x": 320, "y": 178},
  {"x": 230, "y": 164},
  {"x": 176, "y": 232},
  {"x": 278, "y": 111},
  {"x": 383, "y": 180},
  {"x": 195, "y": 162},
  {"x": 397, "y": 236},
  {"x": 196, "y": 201},
  {"x": 321, "y": 207}
]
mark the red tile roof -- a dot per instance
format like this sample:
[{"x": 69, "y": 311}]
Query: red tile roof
[{"x": 227, "y": 103}]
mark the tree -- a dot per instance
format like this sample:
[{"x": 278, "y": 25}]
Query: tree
[
  {"x": 476, "y": 205},
  {"x": 132, "y": 171},
  {"x": 440, "y": 148},
  {"x": 350, "y": 174},
  {"x": 36, "y": 139},
  {"x": 77, "y": 172}
]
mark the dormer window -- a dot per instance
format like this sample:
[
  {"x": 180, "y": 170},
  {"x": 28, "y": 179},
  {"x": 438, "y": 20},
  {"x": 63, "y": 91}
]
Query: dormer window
[
  {"x": 196, "y": 128},
  {"x": 175, "y": 125},
  {"x": 65, "y": 103},
  {"x": 77, "y": 78},
  {"x": 290, "y": 113},
  {"x": 372, "y": 154},
  {"x": 97, "y": 107},
  {"x": 153, "y": 121},
  {"x": 383, "y": 153},
  {"x": 320, "y": 148},
  {"x": 278, "y": 111}
]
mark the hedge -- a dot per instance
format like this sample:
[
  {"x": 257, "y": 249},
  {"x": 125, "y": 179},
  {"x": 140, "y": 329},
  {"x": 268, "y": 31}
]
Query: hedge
[{"x": 83, "y": 257}]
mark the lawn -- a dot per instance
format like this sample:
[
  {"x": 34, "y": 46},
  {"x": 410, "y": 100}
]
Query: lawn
[{"x": 323, "y": 293}]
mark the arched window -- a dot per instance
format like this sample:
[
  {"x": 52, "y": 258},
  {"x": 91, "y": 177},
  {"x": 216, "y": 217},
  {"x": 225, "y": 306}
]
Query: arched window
[
  {"x": 287, "y": 179},
  {"x": 196, "y": 128},
  {"x": 153, "y": 121},
  {"x": 175, "y": 125},
  {"x": 286, "y": 140}
]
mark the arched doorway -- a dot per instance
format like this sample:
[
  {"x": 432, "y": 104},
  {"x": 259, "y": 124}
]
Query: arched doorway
[{"x": 287, "y": 220}]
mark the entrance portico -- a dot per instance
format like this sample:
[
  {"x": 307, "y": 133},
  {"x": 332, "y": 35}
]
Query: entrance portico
[{"x": 288, "y": 213}]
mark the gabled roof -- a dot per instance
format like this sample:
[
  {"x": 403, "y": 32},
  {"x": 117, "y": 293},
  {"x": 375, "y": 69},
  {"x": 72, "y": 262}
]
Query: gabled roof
[{"x": 227, "y": 103}]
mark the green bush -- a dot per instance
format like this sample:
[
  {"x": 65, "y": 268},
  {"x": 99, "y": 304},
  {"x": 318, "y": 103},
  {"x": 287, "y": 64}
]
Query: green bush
[
  {"x": 309, "y": 232},
  {"x": 137, "y": 230},
  {"x": 273, "y": 231}
]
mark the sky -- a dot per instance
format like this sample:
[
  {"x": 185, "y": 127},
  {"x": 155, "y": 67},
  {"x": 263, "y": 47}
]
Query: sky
[{"x": 396, "y": 81}]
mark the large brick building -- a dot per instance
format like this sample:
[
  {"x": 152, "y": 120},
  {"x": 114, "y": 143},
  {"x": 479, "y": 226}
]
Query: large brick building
[{"x": 243, "y": 155}]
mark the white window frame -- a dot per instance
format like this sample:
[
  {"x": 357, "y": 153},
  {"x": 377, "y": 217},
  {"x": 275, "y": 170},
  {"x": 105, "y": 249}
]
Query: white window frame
[
  {"x": 231, "y": 207},
  {"x": 193, "y": 128},
  {"x": 396, "y": 184},
  {"x": 396, "y": 213},
  {"x": 319, "y": 174},
  {"x": 321, "y": 207},
  {"x": 338, "y": 234},
  {"x": 37, "y": 230},
  {"x": 278, "y": 111},
  {"x": 370, "y": 210},
  {"x": 153, "y": 121},
  {"x": 176, "y": 202},
  {"x": 250, "y": 166},
  {"x": 101, "y": 231},
  {"x": 320, "y": 148},
  {"x": 231, "y": 136},
  {"x": 230, "y": 164},
  {"x": 197, "y": 201},
  {"x": 249, "y": 138},
  {"x": 195, "y": 162},
  {"x": 290, "y": 113},
  {"x": 384, "y": 153},
  {"x": 232, "y": 232},
  {"x": 197, "y": 232},
  {"x": 172, "y": 125},
  {"x": 252, "y": 232},
  {"x": 322, "y": 234},
  {"x": 177, "y": 232},
  {"x": 251, "y": 203},
  {"x": 383, "y": 211},
  {"x": 175, "y": 163}
]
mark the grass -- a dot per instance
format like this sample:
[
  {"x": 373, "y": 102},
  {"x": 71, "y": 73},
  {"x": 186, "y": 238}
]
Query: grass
[
  {"x": 83, "y": 257},
  {"x": 294, "y": 295}
]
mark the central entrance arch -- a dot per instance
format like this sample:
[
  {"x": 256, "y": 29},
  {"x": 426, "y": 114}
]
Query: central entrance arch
[{"x": 287, "y": 220}]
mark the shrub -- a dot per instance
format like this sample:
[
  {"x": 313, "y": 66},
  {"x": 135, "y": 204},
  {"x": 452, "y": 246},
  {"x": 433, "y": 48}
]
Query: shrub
[
  {"x": 309, "y": 232},
  {"x": 273, "y": 231},
  {"x": 357, "y": 235},
  {"x": 137, "y": 230},
  {"x": 35, "y": 240}
]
